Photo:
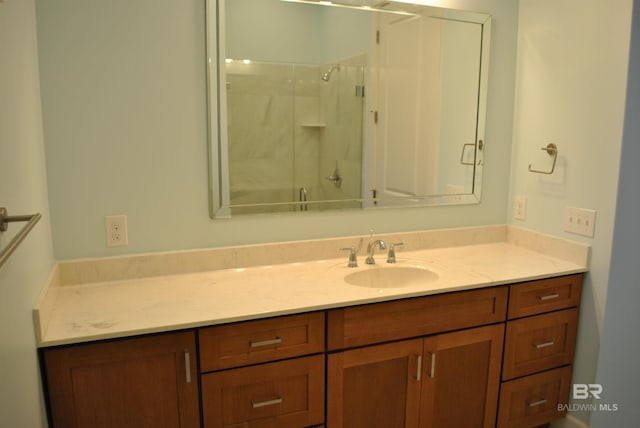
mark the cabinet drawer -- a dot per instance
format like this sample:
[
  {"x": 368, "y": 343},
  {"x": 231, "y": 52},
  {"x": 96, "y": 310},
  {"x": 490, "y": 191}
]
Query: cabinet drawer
[
  {"x": 285, "y": 394},
  {"x": 539, "y": 343},
  {"x": 259, "y": 341},
  {"x": 380, "y": 322},
  {"x": 534, "y": 400},
  {"x": 546, "y": 295}
]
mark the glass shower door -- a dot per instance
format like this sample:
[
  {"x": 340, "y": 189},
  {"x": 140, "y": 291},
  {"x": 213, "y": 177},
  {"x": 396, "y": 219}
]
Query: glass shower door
[{"x": 294, "y": 135}]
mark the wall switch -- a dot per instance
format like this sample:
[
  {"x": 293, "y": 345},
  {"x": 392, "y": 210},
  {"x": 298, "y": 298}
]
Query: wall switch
[
  {"x": 520, "y": 208},
  {"x": 580, "y": 221},
  {"x": 116, "y": 230}
]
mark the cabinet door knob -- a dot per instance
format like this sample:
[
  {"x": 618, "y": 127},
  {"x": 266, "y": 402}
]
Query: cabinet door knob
[{"x": 418, "y": 368}]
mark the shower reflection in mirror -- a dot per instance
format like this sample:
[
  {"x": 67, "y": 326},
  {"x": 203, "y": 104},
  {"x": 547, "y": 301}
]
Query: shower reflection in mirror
[
  {"x": 345, "y": 104},
  {"x": 288, "y": 125}
]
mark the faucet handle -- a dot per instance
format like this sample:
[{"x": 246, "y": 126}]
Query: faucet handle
[
  {"x": 391, "y": 258},
  {"x": 353, "y": 260}
]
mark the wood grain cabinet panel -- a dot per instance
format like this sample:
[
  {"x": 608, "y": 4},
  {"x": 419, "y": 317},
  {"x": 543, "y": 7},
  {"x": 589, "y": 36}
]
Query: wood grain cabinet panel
[
  {"x": 534, "y": 400},
  {"x": 381, "y": 322},
  {"x": 545, "y": 295},
  {"x": 539, "y": 343},
  {"x": 284, "y": 394},
  {"x": 375, "y": 386},
  {"x": 130, "y": 383},
  {"x": 259, "y": 341},
  {"x": 448, "y": 380},
  {"x": 461, "y": 373}
]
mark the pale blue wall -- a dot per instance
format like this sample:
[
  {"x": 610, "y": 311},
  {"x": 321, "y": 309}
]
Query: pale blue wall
[
  {"x": 570, "y": 90},
  {"x": 23, "y": 190},
  {"x": 123, "y": 93}
]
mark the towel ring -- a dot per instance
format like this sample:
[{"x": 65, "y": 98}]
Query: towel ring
[{"x": 552, "y": 150}]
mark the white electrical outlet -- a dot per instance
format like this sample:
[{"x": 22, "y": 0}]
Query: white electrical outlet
[
  {"x": 116, "y": 230},
  {"x": 520, "y": 208},
  {"x": 580, "y": 221}
]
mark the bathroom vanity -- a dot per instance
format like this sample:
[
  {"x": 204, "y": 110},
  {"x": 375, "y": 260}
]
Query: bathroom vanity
[{"x": 489, "y": 343}]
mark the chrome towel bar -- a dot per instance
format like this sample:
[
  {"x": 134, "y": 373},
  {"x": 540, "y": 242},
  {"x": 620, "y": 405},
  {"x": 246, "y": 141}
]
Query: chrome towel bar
[{"x": 5, "y": 219}]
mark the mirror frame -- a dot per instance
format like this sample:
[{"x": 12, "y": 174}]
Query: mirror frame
[{"x": 219, "y": 203}]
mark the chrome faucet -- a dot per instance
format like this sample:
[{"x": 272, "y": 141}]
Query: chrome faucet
[{"x": 371, "y": 248}]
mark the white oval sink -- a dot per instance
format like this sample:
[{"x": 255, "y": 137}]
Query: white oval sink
[{"x": 391, "y": 277}]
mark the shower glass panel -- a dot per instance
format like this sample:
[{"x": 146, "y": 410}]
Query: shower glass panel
[{"x": 294, "y": 135}]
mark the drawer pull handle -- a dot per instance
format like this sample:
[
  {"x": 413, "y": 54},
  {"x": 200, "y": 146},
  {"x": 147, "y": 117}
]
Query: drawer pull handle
[
  {"x": 419, "y": 368},
  {"x": 266, "y": 342},
  {"x": 187, "y": 365},
  {"x": 432, "y": 371},
  {"x": 544, "y": 345},
  {"x": 537, "y": 403},
  {"x": 548, "y": 297},
  {"x": 259, "y": 404}
]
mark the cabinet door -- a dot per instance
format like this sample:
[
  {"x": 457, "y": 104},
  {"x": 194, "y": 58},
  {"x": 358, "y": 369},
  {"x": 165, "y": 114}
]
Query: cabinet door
[
  {"x": 141, "y": 382},
  {"x": 376, "y": 386},
  {"x": 461, "y": 378}
]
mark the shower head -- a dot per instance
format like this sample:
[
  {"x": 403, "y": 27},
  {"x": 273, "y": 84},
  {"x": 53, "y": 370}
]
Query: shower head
[{"x": 326, "y": 76}]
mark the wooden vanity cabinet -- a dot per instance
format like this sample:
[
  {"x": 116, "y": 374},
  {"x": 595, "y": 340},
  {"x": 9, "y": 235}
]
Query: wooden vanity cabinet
[
  {"x": 148, "y": 381},
  {"x": 540, "y": 343},
  {"x": 447, "y": 379},
  {"x": 497, "y": 356}
]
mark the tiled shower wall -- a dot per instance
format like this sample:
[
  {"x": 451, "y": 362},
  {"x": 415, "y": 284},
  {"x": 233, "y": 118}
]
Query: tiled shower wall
[{"x": 288, "y": 129}]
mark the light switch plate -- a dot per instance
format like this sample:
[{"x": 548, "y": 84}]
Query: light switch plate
[{"x": 580, "y": 221}]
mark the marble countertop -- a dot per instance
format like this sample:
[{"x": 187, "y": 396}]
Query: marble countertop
[{"x": 74, "y": 313}]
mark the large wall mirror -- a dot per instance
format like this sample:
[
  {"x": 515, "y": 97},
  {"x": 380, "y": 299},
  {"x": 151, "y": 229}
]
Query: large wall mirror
[{"x": 321, "y": 105}]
